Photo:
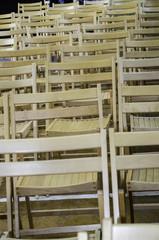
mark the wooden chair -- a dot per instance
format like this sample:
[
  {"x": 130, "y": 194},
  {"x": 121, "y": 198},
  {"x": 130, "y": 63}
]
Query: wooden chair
[
  {"x": 141, "y": 99},
  {"x": 123, "y": 11},
  {"x": 31, "y": 26},
  {"x": 137, "y": 106},
  {"x": 76, "y": 74},
  {"x": 18, "y": 81},
  {"x": 17, "y": 58},
  {"x": 9, "y": 236},
  {"x": 129, "y": 231},
  {"x": 8, "y": 44},
  {"x": 79, "y": 184},
  {"x": 138, "y": 162},
  {"x": 53, "y": 41},
  {"x": 147, "y": 20}
]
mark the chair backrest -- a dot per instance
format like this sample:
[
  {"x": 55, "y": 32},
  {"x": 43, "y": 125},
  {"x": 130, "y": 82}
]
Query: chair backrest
[
  {"x": 129, "y": 21},
  {"x": 42, "y": 41},
  {"x": 129, "y": 231},
  {"x": 23, "y": 57},
  {"x": 77, "y": 18},
  {"x": 57, "y": 98},
  {"x": 141, "y": 49},
  {"x": 60, "y": 30},
  {"x": 18, "y": 78},
  {"x": 138, "y": 160},
  {"x": 145, "y": 34},
  {"x": 108, "y": 36},
  {"x": 149, "y": 20},
  {"x": 130, "y": 89},
  {"x": 21, "y": 5},
  {"x": 151, "y": 4}
]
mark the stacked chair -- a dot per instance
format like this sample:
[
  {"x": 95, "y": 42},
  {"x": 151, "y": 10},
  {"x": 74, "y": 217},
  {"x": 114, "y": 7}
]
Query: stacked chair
[{"x": 79, "y": 116}]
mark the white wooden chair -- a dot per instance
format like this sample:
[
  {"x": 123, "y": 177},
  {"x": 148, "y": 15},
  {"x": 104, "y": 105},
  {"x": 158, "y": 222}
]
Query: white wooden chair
[
  {"x": 20, "y": 79},
  {"x": 141, "y": 99},
  {"x": 75, "y": 74},
  {"x": 129, "y": 231},
  {"x": 137, "y": 105},
  {"x": 64, "y": 185},
  {"x": 143, "y": 161}
]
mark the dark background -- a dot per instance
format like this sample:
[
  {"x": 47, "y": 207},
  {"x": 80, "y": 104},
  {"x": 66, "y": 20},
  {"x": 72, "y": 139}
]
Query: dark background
[{"x": 8, "y": 6}]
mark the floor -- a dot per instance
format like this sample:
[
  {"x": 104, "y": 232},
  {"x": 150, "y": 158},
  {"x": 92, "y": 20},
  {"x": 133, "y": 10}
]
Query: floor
[{"x": 146, "y": 216}]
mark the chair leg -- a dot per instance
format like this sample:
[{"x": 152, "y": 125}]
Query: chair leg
[
  {"x": 101, "y": 205},
  {"x": 131, "y": 207},
  {"x": 122, "y": 206},
  {"x": 30, "y": 219},
  {"x": 9, "y": 205},
  {"x": 16, "y": 209}
]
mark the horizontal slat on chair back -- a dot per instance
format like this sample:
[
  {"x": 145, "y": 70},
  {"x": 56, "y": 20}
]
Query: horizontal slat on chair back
[
  {"x": 80, "y": 65},
  {"x": 55, "y": 96},
  {"x": 148, "y": 75},
  {"x": 51, "y": 167},
  {"x": 142, "y": 54},
  {"x": 90, "y": 78},
  {"x": 142, "y": 43},
  {"x": 57, "y": 113},
  {"x": 88, "y": 48},
  {"x": 105, "y": 36},
  {"x": 25, "y": 52},
  {"x": 128, "y": 63},
  {"x": 137, "y": 139},
  {"x": 137, "y": 161},
  {"x": 15, "y": 71},
  {"x": 50, "y": 144},
  {"x": 10, "y": 64},
  {"x": 138, "y": 107},
  {"x": 45, "y": 40},
  {"x": 118, "y": 18},
  {"x": 16, "y": 84},
  {"x": 151, "y": 90},
  {"x": 57, "y": 29}
]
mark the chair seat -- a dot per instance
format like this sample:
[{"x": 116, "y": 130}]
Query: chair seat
[
  {"x": 144, "y": 123},
  {"x": 143, "y": 180},
  {"x": 63, "y": 127},
  {"x": 56, "y": 184},
  {"x": 22, "y": 129}
]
